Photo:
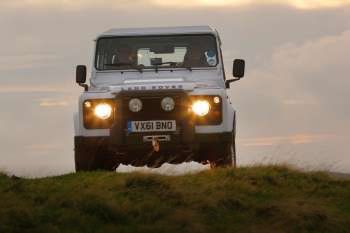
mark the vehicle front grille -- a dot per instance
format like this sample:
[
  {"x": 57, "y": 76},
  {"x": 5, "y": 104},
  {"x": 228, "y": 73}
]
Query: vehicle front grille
[{"x": 152, "y": 109}]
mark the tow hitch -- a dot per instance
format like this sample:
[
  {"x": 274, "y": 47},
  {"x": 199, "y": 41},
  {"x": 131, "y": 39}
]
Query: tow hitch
[
  {"x": 156, "y": 139},
  {"x": 155, "y": 144}
]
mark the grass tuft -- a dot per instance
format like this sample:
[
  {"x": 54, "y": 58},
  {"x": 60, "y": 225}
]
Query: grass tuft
[{"x": 248, "y": 199}]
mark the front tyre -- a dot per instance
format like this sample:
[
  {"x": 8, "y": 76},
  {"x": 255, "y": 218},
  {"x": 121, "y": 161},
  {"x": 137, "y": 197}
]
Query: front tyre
[
  {"x": 90, "y": 155},
  {"x": 226, "y": 154}
]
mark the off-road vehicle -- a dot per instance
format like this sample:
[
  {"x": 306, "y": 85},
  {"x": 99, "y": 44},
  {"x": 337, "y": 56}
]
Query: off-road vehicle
[{"x": 156, "y": 95}]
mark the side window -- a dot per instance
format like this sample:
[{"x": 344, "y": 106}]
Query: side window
[{"x": 103, "y": 55}]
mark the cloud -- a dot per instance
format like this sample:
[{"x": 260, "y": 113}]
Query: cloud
[
  {"x": 298, "y": 102},
  {"x": 314, "y": 72},
  {"x": 43, "y": 147},
  {"x": 68, "y": 4},
  {"x": 25, "y": 61},
  {"x": 303, "y": 138},
  {"x": 307, "y": 81},
  {"x": 76, "y": 4},
  {"x": 300, "y": 87},
  {"x": 300, "y": 4},
  {"x": 33, "y": 89},
  {"x": 53, "y": 103},
  {"x": 297, "y": 71}
]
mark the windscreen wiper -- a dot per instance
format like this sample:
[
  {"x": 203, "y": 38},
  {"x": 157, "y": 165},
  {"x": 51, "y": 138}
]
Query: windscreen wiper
[
  {"x": 189, "y": 68},
  {"x": 131, "y": 65},
  {"x": 171, "y": 63},
  {"x": 157, "y": 64}
]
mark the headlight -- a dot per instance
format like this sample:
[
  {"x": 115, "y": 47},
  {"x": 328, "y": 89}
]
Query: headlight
[
  {"x": 168, "y": 104},
  {"x": 103, "y": 111},
  {"x": 135, "y": 105},
  {"x": 99, "y": 113},
  {"x": 201, "y": 107}
]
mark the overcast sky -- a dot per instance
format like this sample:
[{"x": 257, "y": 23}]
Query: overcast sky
[{"x": 293, "y": 104}]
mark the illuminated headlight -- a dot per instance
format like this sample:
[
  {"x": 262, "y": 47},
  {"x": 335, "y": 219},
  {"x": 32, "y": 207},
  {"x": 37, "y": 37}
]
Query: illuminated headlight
[
  {"x": 201, "y": 107},
  {"x": 99, "y": 113},
  {"x": 135, "y": 105},
  {"x": 103, "y": 111},
  {"x": 168, "y": 104}
]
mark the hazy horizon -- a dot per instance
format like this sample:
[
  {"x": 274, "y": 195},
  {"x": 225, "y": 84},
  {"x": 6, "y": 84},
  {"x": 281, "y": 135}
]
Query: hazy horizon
[{"x": 292, "y": 105}]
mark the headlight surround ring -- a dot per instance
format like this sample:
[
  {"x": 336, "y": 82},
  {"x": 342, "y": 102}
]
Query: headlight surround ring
[
  {"x": 99, "y": 113},
  {"x": 168, "y": 104},
  {"x": 135, "y": 105},
  {"x": 198, "y": 109}
]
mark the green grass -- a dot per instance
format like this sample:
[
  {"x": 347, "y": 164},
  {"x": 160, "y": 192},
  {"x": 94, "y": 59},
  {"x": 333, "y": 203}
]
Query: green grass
[{"x": 256, "y": 199}]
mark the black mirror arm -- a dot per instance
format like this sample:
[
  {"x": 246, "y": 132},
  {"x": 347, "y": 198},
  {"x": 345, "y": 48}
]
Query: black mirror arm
[
  {"x": 229, "y": 81},
  {"x": 84, "y": 85}
]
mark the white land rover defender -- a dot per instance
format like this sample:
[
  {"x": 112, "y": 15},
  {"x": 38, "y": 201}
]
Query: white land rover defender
[{"x": 156, "y": 95}]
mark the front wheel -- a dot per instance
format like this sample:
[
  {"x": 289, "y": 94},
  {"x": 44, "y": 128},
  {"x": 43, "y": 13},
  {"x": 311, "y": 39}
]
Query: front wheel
[
  {"x": 226, "y": 154},
  {"x": 90, "y": 157}
]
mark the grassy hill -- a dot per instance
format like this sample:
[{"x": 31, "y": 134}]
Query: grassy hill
[{"x": 257, "y": 199}]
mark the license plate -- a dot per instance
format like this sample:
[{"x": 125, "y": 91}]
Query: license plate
[{"x": 152, "y": 126}]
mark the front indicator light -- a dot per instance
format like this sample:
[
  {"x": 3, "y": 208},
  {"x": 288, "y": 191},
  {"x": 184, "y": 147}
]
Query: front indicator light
[
  {"x": 201, "y": 107},
  {"x": 88, "y": 104},
  {"x": 103, "y": 111},
  {"x": 216, "y": 99}
]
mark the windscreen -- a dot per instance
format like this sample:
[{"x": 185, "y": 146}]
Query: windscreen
[{"x": 154, "y": 52}]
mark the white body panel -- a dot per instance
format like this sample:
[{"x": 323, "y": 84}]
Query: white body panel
[{"x": 201, "y": 81}]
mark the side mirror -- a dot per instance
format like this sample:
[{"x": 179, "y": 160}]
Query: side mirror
[
  {"x": 238, "y": 68},
  {"x": 80, "y": 76},
  {"x": 237, "y": 71}
]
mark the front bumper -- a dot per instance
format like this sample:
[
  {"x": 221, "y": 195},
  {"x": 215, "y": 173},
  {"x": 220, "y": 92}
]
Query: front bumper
[{"x": 132, "y": 146}]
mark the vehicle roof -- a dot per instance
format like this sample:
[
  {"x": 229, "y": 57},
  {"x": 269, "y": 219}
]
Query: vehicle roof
[{"x": 159, "y": 31}]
